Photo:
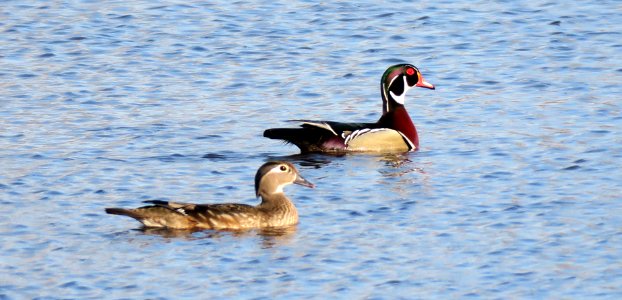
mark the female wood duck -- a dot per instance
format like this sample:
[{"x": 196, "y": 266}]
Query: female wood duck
[
  {"x": 394, "y": 131},
  {"x": 275, "y": 209}
]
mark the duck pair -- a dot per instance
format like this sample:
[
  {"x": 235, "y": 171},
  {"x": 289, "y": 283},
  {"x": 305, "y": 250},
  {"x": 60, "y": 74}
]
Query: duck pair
[{"x": 393, "y": 132}]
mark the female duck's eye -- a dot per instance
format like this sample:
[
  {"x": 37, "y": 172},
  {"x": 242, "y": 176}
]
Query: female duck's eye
[
  {"x": 283, "y": 168},
  {"x": 410, "y": 71}
]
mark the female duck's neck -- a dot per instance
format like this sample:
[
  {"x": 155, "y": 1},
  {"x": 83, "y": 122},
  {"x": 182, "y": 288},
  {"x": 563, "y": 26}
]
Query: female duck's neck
[
  {"x": 275, "y": 200},
  {"x": 278, "y": 211}
]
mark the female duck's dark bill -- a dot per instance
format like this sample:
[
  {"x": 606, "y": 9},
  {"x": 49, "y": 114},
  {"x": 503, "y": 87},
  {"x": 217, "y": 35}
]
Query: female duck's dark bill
[{"x": 300, "y": 180}]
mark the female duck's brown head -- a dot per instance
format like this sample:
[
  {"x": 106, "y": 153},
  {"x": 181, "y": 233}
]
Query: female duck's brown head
[{"x": 274, "y": 175}]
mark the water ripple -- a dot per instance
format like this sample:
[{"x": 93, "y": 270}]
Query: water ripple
[{"x": 512, "y": 195}]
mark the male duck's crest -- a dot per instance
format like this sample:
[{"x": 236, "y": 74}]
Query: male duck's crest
[
  {"x": 275, "y": 209},
  {"x": 393, "y": 132},
  {"x": 396, "y": 81}
]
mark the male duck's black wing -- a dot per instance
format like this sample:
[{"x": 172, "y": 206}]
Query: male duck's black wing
[
  {"x": 317, "y": 136},
  {"x": 337, "y": 128}
]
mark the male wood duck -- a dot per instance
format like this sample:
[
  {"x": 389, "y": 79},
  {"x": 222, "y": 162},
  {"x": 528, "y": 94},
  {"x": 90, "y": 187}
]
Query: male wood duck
[
  {"x": 275, "y": 209},
  {"x": 394, "y": 131}
]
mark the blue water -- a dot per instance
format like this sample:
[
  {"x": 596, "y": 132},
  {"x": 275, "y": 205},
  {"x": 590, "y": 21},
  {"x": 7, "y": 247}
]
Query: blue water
[{"x": 516, "y": 192}]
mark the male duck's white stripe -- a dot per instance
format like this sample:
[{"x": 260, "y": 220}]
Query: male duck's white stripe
[
  {"x": 357, "y": 133},
  {"x": 401, "y": 99},
  {"x": 321, "y": 125},
  {"x": 411, "y": 145}
]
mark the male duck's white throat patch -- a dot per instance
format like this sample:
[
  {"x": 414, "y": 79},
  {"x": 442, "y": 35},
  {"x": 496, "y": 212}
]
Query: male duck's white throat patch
[{"x": 401, "y": 99}]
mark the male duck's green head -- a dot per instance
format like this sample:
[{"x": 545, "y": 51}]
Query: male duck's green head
[{"x": 395, "y": 81}]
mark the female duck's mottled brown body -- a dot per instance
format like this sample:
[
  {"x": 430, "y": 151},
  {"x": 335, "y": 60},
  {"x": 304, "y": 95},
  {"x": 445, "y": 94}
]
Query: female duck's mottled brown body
[{"x": 275, "y": 209}]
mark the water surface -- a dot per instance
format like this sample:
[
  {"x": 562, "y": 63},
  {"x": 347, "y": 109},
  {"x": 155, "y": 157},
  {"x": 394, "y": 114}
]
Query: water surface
[{"x": 514, "y": 194}]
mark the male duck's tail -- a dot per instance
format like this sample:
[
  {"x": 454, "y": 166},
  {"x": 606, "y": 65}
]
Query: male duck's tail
[{"x": 304, "y": 138}]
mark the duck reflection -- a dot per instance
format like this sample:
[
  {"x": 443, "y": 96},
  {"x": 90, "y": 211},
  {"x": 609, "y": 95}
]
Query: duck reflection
[
  {"x": 399, "y": 165},
  {"x": 313, "y": 160},
  {"x": 270, "y": 237}
]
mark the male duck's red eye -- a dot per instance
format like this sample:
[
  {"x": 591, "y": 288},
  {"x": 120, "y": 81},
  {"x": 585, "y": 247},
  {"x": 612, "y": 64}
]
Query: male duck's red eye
[{"x": 410, "y": 71}]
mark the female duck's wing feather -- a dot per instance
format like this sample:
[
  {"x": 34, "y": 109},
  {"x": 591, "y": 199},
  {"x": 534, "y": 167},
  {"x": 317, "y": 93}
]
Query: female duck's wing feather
[
  {"x": 156, "y": 216},
  {"x": 217, "y": 216},
  {"x": 169, "y": 204},
  {"x": 187, "y": 215}
]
